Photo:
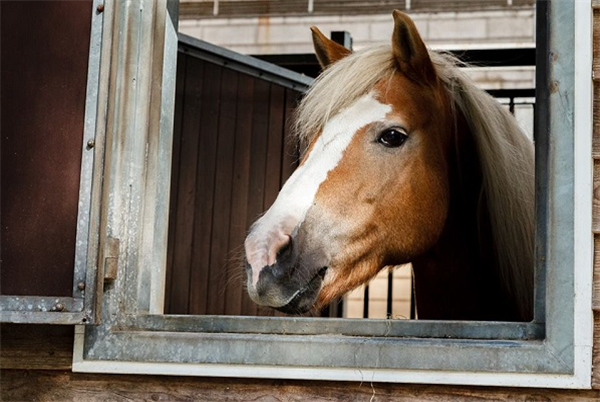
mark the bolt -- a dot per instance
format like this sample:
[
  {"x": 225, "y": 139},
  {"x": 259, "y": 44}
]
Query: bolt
[
  {"x": 81, "y": 285},
  {"x": 100, "y": 8},
  {"x": 91, "y": 143},
  {"x": 58, "y": 307}
]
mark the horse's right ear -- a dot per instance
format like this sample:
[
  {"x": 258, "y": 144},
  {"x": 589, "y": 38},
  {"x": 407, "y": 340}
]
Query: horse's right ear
[
  {"x": 327, "y": 51},
  {"x": 409, "y": 50}
]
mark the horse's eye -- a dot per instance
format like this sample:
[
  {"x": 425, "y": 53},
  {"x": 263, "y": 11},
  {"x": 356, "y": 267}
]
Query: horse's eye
[{"x": 392, "y": 138}]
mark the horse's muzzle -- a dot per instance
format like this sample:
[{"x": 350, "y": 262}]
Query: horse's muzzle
[{"x": 283, "y": 287}]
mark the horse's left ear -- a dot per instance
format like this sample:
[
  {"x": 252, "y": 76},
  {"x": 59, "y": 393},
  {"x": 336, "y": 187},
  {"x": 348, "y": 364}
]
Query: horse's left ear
[
  {"x": 328, "y": 51},
  {"x": 409, "y": 50}
]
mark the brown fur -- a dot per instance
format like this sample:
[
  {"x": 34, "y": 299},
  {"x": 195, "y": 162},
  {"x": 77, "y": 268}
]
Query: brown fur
[{"x": 456, "y": 199}]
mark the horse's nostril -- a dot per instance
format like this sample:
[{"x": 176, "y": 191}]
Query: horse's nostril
[
  {"x": 322, "y": 272},
  {"x": 285, "y": 249}
]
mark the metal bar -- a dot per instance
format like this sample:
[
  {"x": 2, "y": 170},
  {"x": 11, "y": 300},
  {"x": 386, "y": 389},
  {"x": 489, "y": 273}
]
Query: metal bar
[
  {"x": 541, "y": 128},
  {"x": 307, "y": 63},
  {"x": 333, "y": 350},
  {"x": 512, "y": 93},
  {"x": 35, "y": 317},
  {"x": 343, "y": 326},
  {"x": 84, "y": 259},
  {"x": 245, "y": 64},
  {"x": 41, "y": 304},
  {"x": 390, "y": 293},
  {"x": 343, "y": 38},
  {"x": 366, "y": 302}
]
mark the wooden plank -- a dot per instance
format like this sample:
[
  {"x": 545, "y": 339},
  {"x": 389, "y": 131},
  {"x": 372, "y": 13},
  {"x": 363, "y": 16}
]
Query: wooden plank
[
  {"x": 36, "y": 347},
  {"x": 596, "y": 44},
  {"x": 235, "y": 294},
  {"x": 596, "y": 352},
  {"x": 222, "y": 194},
  {"x": 65, "y": 386},
  {"x": 186, "y": 185},
  {"x": 596, "y": 200},
  {"x": 596, "y": 118},
  {"x": 291, "y": 147},
  {"x": 258, "y": 152},
  {"x": 205, "y": 188},
  {"x": 274, "y": 145},
  {"x": 177, "y": 131},
  {"x": 596, "y": 278}
]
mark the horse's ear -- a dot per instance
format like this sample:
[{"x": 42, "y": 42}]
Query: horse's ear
[
  {"x": 409, "y": 50},
  {"x": 327, "y": 51}
]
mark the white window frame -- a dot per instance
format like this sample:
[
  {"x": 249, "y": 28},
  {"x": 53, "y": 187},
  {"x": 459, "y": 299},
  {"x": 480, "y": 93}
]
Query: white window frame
[{"x": 135, "y": 337}]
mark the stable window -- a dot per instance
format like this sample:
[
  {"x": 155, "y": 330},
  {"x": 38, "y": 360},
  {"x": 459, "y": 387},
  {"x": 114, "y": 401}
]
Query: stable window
[{"x": 554, "y": 350}]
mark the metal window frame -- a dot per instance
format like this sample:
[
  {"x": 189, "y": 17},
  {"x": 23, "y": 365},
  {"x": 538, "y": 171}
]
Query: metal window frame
[
  {"x": 78, "y": 309},
  {"x": 552, "y": 351}
]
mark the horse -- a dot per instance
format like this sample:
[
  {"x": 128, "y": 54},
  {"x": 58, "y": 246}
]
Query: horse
[{"x": 407, "y": 161}]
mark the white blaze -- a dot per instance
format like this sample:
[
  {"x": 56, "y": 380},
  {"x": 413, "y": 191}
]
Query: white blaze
[{"x": 298, "y": 193}]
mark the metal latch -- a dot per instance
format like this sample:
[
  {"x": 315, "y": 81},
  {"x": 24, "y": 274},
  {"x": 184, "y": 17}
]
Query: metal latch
[{"x": 111, "y": 259}]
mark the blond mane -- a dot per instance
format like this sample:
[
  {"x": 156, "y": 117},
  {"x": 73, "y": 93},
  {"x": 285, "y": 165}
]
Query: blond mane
[{"x": 505, "y": 153}]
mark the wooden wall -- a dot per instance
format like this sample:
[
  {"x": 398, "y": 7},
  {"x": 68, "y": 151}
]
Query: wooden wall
[
  {"x": 35, "y": 362},
  {"x": 596, "y": 201},
  {"x": 232, "y": 152}
]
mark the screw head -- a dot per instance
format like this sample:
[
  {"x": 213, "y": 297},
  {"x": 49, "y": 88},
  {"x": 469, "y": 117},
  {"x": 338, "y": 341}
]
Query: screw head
[
  {"x": 81, "y": 285},
  {"x": 100, "y": 8},
  {"x": 91, "y": 143}
]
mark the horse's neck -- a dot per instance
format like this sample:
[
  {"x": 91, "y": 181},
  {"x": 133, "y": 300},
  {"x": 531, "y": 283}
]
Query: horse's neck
[{"x": 457, "y": 280}]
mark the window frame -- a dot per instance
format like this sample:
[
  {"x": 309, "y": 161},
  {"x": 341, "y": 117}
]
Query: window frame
[{"x": 135, "y": 337}]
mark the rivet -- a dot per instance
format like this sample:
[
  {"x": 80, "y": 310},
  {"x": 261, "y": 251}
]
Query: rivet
[
  {"x": 81, "y": 285},
  {"x": 58, "y": 307},
  {"x": 91, "y": 143},
  {"x": 100, "y": 8}
]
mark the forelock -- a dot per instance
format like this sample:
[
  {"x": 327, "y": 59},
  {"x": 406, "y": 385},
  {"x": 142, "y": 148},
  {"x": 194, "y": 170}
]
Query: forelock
[{"x": 339, "y": 86}]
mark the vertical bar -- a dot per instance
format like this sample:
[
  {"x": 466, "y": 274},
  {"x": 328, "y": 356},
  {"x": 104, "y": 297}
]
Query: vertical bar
[
  {"x": 366, "y": 302},
  {"x": 390, "y": 293},
  {"x": 85, "y": 242},
  {"x": 343, "y": 38},
  {"x": 541, "y": 126}
]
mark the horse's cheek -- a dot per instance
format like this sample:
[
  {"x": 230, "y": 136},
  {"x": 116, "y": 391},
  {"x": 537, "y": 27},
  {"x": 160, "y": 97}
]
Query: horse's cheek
[{"x": 418, "y": 218}]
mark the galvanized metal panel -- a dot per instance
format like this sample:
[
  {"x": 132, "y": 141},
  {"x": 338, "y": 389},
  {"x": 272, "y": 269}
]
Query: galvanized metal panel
[
  {"x": 340, "y": 326},
  {"x": 325, "y": 351},
  {"x": 251, "y": 66}
]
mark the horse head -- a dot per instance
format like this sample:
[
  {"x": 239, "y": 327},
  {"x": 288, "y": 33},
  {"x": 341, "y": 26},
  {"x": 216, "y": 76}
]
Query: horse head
[
  {"x": 371, "y": 190},
  {"x": 375, "y": 186}
]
